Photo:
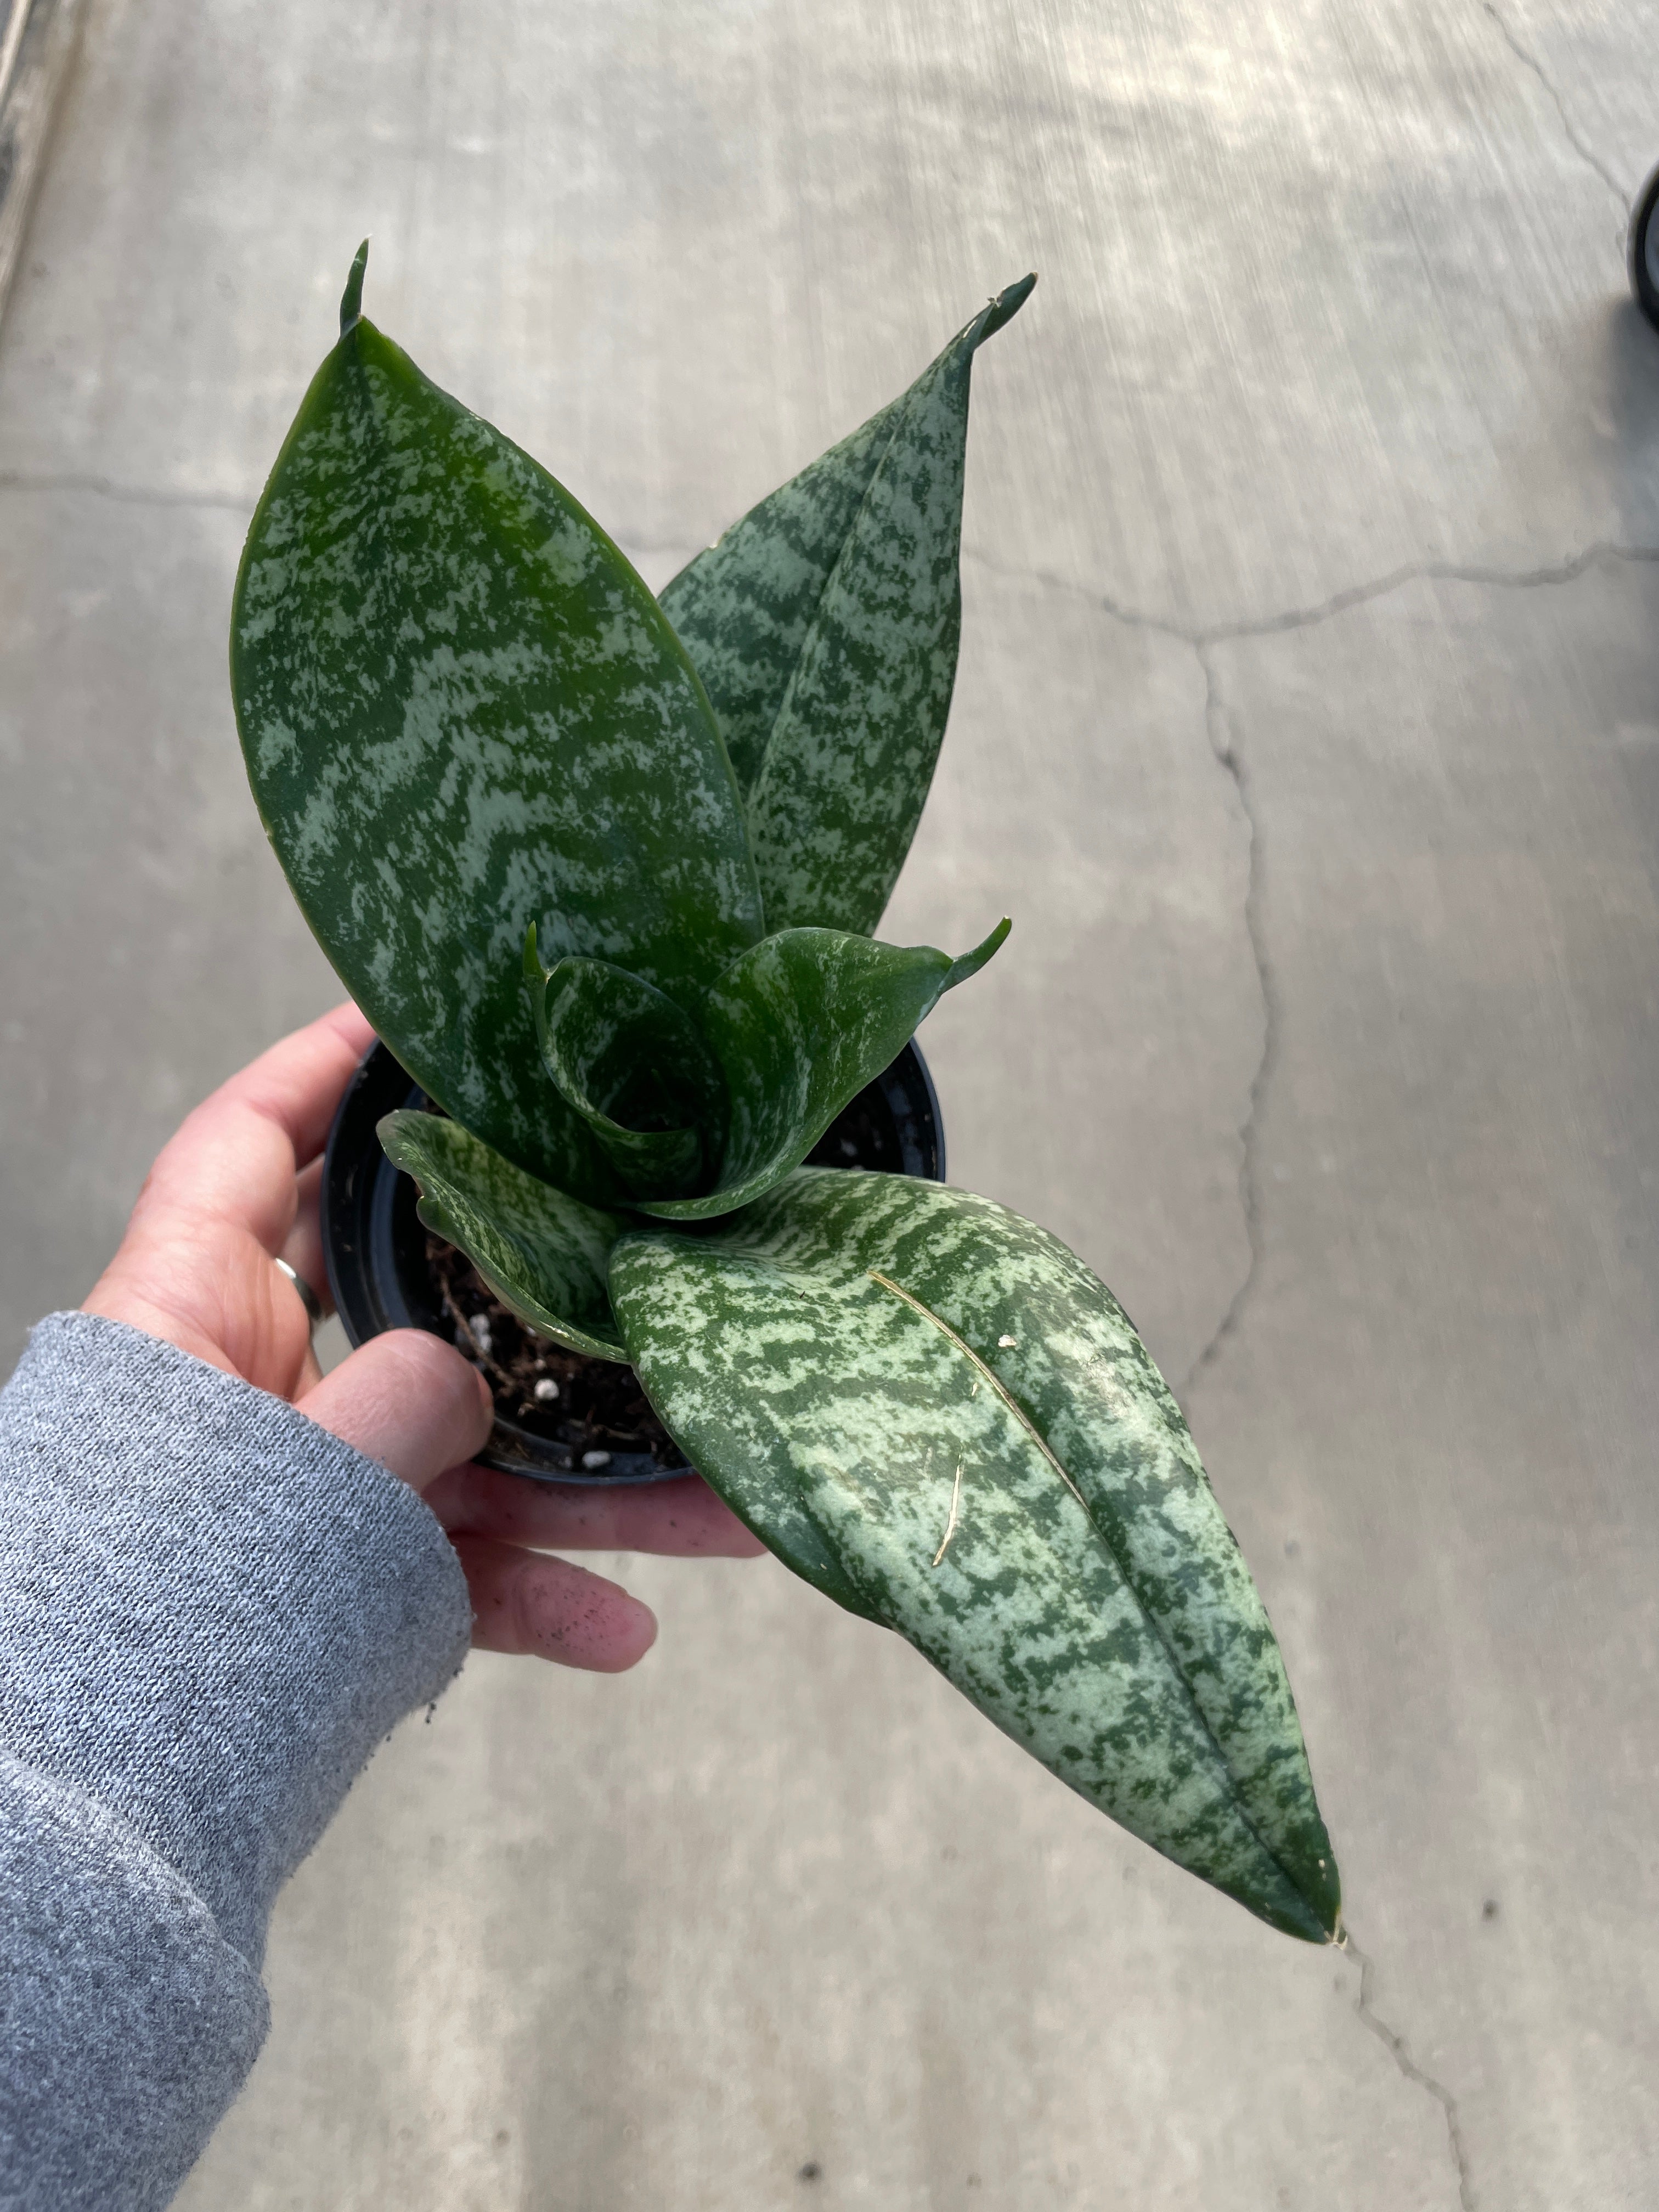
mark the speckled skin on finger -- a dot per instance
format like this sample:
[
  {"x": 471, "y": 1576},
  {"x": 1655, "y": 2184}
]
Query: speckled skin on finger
[{"x": 932, "y": 1410}]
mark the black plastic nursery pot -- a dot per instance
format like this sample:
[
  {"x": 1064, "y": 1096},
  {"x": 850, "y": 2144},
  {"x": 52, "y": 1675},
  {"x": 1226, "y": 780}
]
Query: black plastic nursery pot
[{"x": 384, "y": 1271}]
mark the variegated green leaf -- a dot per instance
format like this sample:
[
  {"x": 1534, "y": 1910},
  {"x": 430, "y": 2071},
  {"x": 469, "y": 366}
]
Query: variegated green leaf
[
  {"x": 542, "y": 1253},
  {"x": 825, "y": 626},
  {"x": 799, "y": 1024},
  {"x": 633, "y": 1064},
  {"x": 464, "y": 713},
  {"x": 934, "y": 1411}
]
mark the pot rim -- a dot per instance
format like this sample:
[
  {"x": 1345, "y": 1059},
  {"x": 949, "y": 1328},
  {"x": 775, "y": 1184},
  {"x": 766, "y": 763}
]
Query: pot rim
[{"x": 361, "y": 1232}]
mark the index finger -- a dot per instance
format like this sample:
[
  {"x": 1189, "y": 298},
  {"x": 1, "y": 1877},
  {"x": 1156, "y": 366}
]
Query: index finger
[
  {"x": 236, "y": 1156},
  {"x": 298, "y": 1081}
]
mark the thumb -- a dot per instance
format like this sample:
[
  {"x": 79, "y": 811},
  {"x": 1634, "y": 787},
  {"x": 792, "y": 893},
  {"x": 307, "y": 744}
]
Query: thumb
[{"x": 408, "y": 1399}]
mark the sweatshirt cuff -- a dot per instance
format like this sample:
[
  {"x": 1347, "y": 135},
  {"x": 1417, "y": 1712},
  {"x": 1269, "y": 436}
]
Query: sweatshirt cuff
[{"x": 211, "y": 1610}]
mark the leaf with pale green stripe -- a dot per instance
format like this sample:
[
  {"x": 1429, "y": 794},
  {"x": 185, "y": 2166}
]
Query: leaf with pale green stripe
[
  {"x": 934, "y": 1411},
  {"x": 826, "y": 625},
  {"x": 799, "y": 1024},
  {"x": 544, "y": 1255},
  {"x": 463, "y": 712}
]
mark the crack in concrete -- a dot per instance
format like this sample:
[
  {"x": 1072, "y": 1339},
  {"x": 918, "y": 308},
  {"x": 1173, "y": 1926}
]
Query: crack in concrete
[
  {"x": 1579, "y": 144},
  {"x": 1225, "y": 745},
  {"x": 1603, "y": 552},
  {"x": 1398, "y": 2050},
  {"x": 97, "y": 487}
]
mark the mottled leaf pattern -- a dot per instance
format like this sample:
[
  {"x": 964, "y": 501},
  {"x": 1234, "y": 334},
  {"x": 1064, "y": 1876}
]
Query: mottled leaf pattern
[
  {"x": 825, "y": 626},
  {"x": 798, "y": 1025},
  {"x": 634, "y": 1067},
  {"x": 743, "y": 607},
  {"x": 464, "y": 713},
  {"x": 473, "y": 735},
  {"x": 931, "y": 1409},
  {"x": 542, "y": 1253}
]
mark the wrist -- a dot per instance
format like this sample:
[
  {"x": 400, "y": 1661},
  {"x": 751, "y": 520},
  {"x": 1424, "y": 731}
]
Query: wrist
[{"x": 211, "y": 1610}]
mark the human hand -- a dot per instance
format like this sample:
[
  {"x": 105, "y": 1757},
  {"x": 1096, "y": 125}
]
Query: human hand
[{"x": 237, "y": 1189}]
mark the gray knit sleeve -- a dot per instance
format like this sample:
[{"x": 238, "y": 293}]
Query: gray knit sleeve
[{"x": 211, "y": 1611}]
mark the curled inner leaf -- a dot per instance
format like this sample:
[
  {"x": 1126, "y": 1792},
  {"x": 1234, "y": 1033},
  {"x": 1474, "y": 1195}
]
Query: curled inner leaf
[
  {"x": 798, "y": 1025},
  {"x": 632, "y": 1064}
]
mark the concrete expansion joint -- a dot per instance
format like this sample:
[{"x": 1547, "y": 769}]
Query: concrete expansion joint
[
  {"x": 1575, "y": 138},
  {"x": 130, "y": 494},
  {"x": 1396, "y": 2046}
]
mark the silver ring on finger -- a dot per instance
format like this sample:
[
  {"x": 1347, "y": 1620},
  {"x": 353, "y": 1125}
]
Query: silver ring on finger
[{"x": 308, "y": 1298}]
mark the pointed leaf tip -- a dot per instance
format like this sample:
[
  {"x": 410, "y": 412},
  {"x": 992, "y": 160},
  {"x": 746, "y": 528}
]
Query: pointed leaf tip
[
  {"x": 826, "y": 625},
  {"x": 351, "y": 299},
  {"x": 1004, "y": 308},
  {"x": 971, "y": 962},
  {"x": 911, "y": 1393}
]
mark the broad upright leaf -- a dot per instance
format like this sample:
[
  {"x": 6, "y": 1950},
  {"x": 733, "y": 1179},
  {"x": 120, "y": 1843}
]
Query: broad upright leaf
[
  {"x": 826, "y": 625},
  {"x": 542, "y": 1253},
  {"x": 799, "y": 1024},
  {"x": 634, "y": 1065},
  {"x": 464, "y": 713},
  {"x": 934, "y": 1411}
]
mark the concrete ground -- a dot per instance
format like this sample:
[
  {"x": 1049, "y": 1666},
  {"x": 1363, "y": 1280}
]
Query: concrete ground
[{"x": 1308, "y": 723}]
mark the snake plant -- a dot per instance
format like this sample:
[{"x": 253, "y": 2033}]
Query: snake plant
[{"x": 602, "y": 870}]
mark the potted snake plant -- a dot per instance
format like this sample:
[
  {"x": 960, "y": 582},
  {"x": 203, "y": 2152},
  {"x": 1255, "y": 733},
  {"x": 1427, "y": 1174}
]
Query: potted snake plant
[{"x": 604, "y": 870}]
